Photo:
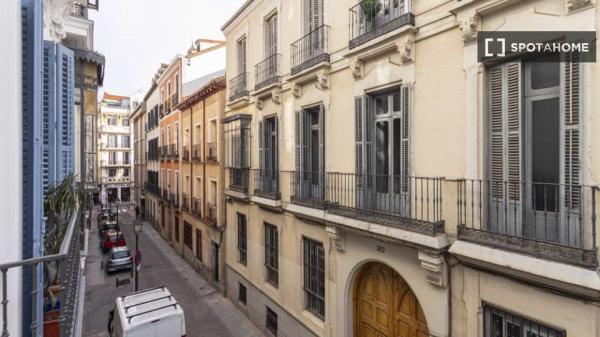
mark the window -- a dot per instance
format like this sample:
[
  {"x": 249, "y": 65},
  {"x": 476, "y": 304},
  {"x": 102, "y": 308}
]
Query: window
[
  {"x": 313, "y": 15},
  {"x": 111, "y": 121},
  {"x": 237, "y": 142},
  {"x": 112, "y": 158},
  {"x": 176, "y": 229},
  {"x": 310, "y": 153},
  {"x": 111, "y": 141},
  {"x": 242, "y": 294},
  {"x": 500, "y": 323},
  {"x": 271, "y": 35},
  {"x": 125, "y": 140},
  {"x": 242, "y": 243},
  {"x": 268, "y": 161},
  {"x": 314, "y": 278},
  {"x": 271, "y": 321},
  {"x": 125, "y": 122},
  {"x": 272, "y": 254},
  {"x": 241, "y": 55},
  {"x": 187, "y": 235},
  {"x": 125, "y": 172},
  {"x": 112, "y": 172},
  {"x": 199, "y": 244},
  {"x": 125, "y": 157}
]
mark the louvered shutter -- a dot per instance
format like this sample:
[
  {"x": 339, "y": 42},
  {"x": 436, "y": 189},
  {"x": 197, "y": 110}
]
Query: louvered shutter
[
  {"x": 274, "y": 35},
  {"x": 359, "y": 148},
  {"x": 275, "y": 148},
  {"x": 261, "y": 146},
  {"x": 316, "y": 14},
  {"x": 65, "y": 109},
  {"x": 405, "y": 104},
  {"x": 571, "y": 106},
  {"x": 48, "y": 102},
  {"x": 321, "y": 167},
  {"x": 504, "y": 147},
  {"x": 299, "y": 140}
]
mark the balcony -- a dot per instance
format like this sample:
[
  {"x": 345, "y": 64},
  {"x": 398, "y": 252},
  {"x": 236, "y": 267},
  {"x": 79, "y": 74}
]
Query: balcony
[
  {"x": 164, "y": 152},
  {"x": 212, "y": 152},
  {"x": 152, "y": 188},
  {"x": 197, "y": 152},
  {"x": 551, "y": 221},
  {"x": 174, "y": 100},
  {"x": 174, "y": 199},
  {"x": 165, "y": 195},
  {"x": 238, "y": 87},
  {"x": 411, "y": 203},
  {"x": 211, "y": 214},
  {"x": 197, "y": 207},
  {"x": 267, "y": 72},
  {"x": 185, "y": 202},
  {"x": 79, "y": 10},
  {"x": 173, "y": 151},
  {"x": 266, "y": 184},
  {"x": 370, "y": 19},
  {"x": 310, "y": 50},
  {"x": 307, "y": 188},
  {"x": 186, "y": 153},
  {"x": 238, "y": 179}
]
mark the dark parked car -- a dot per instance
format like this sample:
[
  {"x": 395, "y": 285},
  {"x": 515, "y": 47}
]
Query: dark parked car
[
  {"x": 119, "y": 258},
  {"x": 110, "y": 239}
]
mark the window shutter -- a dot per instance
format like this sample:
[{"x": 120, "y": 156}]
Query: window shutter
[
  {"x": 405, "y": 104},
  {"x": 299, "y": 141},
  {"x": 274, "y": 35},
  {"x": 496, "y": 157},
  {"x": 571, "y": 105},
  {"x": 513, "y": 112},
  {"x": 275, "y": 147},
  {"x": 48, "y": 99},
  {"x": 261, "y": 146},
  {"x": 359, "y": 116},
  {"x": 316, "y": 14},
  {"x": 321, "y": 167}
]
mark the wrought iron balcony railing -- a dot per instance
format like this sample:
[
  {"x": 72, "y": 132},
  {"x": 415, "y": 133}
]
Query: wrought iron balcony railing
[
  {"x": 211, "y": 154},
  {"x": 267, "y": 72},
  {"x": 310, "y": 50},
  {"x": 79, "y": 10},
  {"x": 211, "y": 213},
  {"x": 174, "y": 100},
  {"x": 174, "y": 199},
  {"x": 308, "y": 188},
  {"x": 152, "y": 188},
  {"x": 411, "y": 203},
  {"x": 552, "y": 221},
  {"x": 197, "y": 152},
  {"x": 164, "y": 151},
  {"x": 266, "y": 183},
  {"x": 173, "y": 151},
  {"x": 238, "y": 86},
  {"x": 197, "y": 207},
  {"x": 238, "y": 179},
  {"x": 370, "y": 19},
  {"x": 185, "y": 156}
]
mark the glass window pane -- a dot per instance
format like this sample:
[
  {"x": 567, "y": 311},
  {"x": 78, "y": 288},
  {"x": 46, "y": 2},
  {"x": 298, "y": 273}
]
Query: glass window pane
[
  {"x": 544, "y": 75},
  {"x": 381, "y": 105},
  {"x": 382, "y": 155},
  {"x": 545, "y": 152}
]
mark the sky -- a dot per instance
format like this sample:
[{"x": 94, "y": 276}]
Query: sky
[{"x": 136, "y": 36}]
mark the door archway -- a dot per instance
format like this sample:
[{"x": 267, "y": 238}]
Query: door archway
[{"x": 385, "y": 305}]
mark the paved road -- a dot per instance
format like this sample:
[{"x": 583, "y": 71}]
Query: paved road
[{"x": 207, "y": 313}]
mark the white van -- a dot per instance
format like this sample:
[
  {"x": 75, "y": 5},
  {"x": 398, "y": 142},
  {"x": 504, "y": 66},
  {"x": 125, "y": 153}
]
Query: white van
[{"x": 152, "y": 312}]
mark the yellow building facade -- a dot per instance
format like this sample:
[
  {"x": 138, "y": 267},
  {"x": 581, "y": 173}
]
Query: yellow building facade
[{"x": 381, "y": 181}]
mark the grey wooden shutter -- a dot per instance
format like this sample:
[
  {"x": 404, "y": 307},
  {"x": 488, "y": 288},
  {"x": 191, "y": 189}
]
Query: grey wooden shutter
[
  {"x": 359, "y": 148},
  {"x": 299, "y": 141},
  {"x": 317, "y": 10},
  {"x": 275, "y": 147},
  {"x": 405, "y": 105},
  {"x": 261, "y": 146},
  {"x": 321, "y": 167},
  {"x": 513, "y": 116},
  {"x": 571, "y": 149},
  {"x": 496, "y": 135}
]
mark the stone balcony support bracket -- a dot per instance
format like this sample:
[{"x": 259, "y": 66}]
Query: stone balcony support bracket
[
  {"x": 435, "y": 266},
  {"x": 337, "y": 237}
]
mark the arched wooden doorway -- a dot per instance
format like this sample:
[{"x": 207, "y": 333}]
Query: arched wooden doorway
[{"x": 385, "y": 306}]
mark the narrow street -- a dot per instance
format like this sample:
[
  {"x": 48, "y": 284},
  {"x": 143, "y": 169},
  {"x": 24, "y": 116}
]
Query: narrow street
[{"x": 207, "y": 313}]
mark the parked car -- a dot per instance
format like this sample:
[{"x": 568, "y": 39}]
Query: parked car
[
  {"x": 106, "y": 226},
  {"x": 110, "y": 239},
  {"x": 148, "y": 313},
  {"x": 119, "y": 258},
  {"x": 102, "y": 214}
]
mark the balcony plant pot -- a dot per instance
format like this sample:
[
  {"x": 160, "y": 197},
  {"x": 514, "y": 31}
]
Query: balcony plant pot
[{"x": 51, "y": 326}]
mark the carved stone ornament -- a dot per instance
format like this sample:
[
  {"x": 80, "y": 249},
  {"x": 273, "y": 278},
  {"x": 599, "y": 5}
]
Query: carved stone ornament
[
  {"x": 56, "y": 13},
  {"x": 337, "y": 237},
  {"x": 259, "y": 103},
  {"x": 356, "y": 68},
  {"x": 573, "y": 5},
  {"x": 434, "y": 265},
  {"x": 297, "y": 90},
  {"x": 322, "y": 80},
  {"x": 469, "y": 27},
  {"x": 276, "y": 95},
  {"x": 406, "y": 48}
]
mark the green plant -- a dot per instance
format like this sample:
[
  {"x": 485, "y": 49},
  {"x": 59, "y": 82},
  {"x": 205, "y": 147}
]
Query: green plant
[{"x": 370, "y": 9}]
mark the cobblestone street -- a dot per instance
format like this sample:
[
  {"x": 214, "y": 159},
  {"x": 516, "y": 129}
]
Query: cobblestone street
[{"x": 207, "y": 313}]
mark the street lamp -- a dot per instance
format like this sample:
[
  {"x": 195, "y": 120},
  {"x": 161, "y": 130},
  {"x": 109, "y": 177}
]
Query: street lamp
[{"x": 137, "y": 228}]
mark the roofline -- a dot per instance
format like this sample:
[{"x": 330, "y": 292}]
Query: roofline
[
  {"x": 213, "y": 86},
  {"x": 236, "y": 14},
  {"x": 179, "y": 58}
]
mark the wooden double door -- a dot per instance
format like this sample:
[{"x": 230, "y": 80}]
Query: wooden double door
[{"x": 385, "y": 306}]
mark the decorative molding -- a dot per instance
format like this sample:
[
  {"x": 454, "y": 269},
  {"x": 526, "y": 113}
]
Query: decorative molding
[
  {"x": 406, "y": 49},
  {"x": 469, "y": 27},
  {"x": 573, "y": 5},
  {"x": 323, "y": 79},
  {"x": 276, "y": 95},
  {"x": 356, "y": 68},
  {"x": 434, "y": 265},
  {"x": 259, "y": 103},
  {"x": 337, "y": 237},
  {"x": 56, "y": 13},
  {"x": 297, "y": 90}
]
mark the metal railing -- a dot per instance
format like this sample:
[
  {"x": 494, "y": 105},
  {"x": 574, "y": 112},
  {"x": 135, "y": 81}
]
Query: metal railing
[
  {"x": 79, "y": 10},
  {"x": 370, "y": 19},
  {"x": 69, "y": 272},
  {"x": 266, "y": 72},
  {"x": 266, "y": 183},
  {"x": 211, "y": 213},
  {"x": 174, "y": 199},
  {"x": 165, "y": 194},
  {"x": 197, "y": 207},
  {"x": 174, "y": 100},
  {"x": 238, "y": 86},
  {"x": 238, "y": 179},
  {"x": 310, "y": 50},
  {"x": 173, "y": 151},
  {"x": 553, "y": 221},
  {"x": 185, "y": 202},
  {"x": 152, "y": 188},
  {"x": 412, "y": 203},
  {"x": 185, "y": 156},
  {"x": 308, "y": 188},
  {"x": 211, "y": 153},
  {"x": 164, "y": 151},
  {"x": 197, "y": 152}
]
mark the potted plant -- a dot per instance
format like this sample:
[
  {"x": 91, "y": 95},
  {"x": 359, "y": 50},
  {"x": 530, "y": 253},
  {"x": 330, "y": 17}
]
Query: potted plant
[{"x": 370, "y": 9}]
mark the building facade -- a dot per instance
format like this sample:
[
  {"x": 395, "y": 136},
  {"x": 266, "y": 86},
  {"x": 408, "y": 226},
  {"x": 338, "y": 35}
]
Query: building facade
[
  {"x": 153, "y": 192},
  {"x": 376, "y": 188},
  {"x": 202, "y": 199},
  {"x": 139, "y": 120},
  {"x": 115, "y": 149}
]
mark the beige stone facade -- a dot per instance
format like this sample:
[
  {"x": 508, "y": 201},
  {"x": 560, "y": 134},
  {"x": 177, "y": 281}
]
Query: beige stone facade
[{"x": 373, "y": 182}]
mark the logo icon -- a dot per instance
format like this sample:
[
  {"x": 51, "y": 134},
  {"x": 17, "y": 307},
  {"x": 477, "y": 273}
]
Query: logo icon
[{"x": 501, "y": 41}]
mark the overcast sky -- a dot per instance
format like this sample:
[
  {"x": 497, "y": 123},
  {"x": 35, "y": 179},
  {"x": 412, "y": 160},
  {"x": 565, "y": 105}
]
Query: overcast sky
[{"x": 137, "y": 35}]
